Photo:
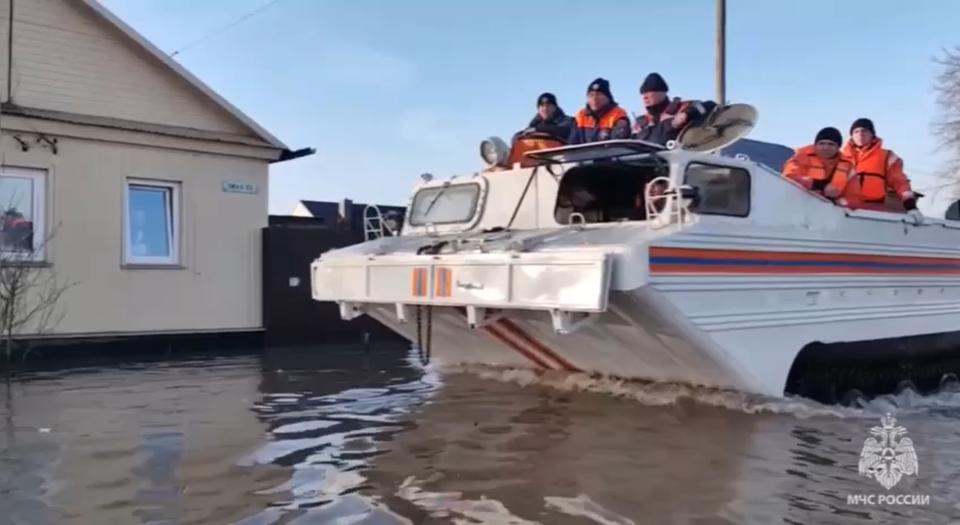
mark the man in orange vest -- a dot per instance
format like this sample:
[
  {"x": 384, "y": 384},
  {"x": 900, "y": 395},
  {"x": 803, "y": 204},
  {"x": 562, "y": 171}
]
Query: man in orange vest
[
  {"x": 601, "y": 119},
  {"x": 820, "y": 167},
  {"x": 876, "y": 170}
]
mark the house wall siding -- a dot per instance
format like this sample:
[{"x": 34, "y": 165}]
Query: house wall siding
[
  {"x": 65, "y": 58},
  {"x": 219, "y": 286}
]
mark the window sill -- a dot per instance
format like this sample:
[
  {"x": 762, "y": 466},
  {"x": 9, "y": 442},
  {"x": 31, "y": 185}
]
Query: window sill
[
  {"x": 152, "y": 266},
  {"x": 25, "y": 264}
]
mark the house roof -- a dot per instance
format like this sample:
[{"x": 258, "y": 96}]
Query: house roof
[
  {"x": 140, "y": 40},
  {"x": 321, "y": 209},
  {"x": 768, "y": 153}
]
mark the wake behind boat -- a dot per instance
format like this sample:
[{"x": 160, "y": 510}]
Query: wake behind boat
[{"x": 676, "y": 264}]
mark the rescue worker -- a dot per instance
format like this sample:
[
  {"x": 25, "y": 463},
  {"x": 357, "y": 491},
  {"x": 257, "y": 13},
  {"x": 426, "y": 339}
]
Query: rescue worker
[
  {"x": 876, "y": 170},
  {"x": 664, "y": 118},
  {"x": 16, "y": 231},
  {"x": 821, "y": 167},
  {"x": 550, "y": 119},
  {"x": 601, "y": 119}
]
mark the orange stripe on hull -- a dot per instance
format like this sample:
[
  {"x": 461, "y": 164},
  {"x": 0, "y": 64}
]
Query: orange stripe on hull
[
  {"x": 508, "y": 333},
  {"x": 495, "y": 332},
  {"x": 542, "y": 348},
  {"x": 665, "y": 260},
  {"x": 721, "y": 268},
  {"x": 796, "y": 256}
]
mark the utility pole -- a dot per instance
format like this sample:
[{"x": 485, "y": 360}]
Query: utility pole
[{"x": 721, "y": 52}]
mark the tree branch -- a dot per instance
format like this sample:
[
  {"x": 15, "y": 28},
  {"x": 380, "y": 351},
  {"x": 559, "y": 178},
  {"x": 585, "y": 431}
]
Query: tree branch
[
  {"x": 29, "y": 294},
  {"x": 946, "y": 125}
]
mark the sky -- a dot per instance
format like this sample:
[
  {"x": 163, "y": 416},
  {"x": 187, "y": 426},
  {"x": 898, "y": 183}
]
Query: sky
[{"x": 387, "y": 90}]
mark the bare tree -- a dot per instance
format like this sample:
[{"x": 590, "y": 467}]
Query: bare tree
[
  {"x": 946, "y": 126},
  {"x": 30, "y": 291}
]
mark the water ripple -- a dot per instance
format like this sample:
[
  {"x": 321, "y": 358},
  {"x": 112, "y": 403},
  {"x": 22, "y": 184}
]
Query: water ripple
[{"x": 318, "y": 436}]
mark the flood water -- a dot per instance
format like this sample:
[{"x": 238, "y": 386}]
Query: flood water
[{"x": 347, "y": 435}]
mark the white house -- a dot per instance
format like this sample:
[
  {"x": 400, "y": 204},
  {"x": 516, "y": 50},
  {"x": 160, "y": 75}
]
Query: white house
[{"x": 150, "y": 188}]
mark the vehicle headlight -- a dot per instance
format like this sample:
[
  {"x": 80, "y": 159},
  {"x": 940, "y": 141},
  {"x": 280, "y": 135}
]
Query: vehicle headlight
[{"x": 494, "y": 151}]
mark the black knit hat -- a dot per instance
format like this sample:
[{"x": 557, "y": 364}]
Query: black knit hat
[
  {"x": 863, "y": 123},
  {"x": 546, "y": 98},
  {"x": 653, "y": 82},
  {"x": 602, "y": 85},
  {"x": 831, "y": 134}
]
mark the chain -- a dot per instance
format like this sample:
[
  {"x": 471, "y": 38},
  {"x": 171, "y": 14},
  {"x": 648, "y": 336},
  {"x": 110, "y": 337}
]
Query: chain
[
  {"x": 429, "y": 335},
  {"x": 419, "y": 333},
  {"x": 424, "y": 350}
]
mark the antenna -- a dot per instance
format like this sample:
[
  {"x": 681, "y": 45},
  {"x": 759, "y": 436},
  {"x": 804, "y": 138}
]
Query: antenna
[
  {"x": 214, "y": 32},
  {"x": 721, "y": 52}
]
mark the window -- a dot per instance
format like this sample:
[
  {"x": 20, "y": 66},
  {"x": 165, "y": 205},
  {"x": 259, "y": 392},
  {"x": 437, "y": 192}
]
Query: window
[
  {"x": 22, "y": 206},
  {"x": 606, "y": 192},
  {"x": 152, "y": 225},
  {"x": 445, "y": 204},
  {"x": 722, "y": 190}
]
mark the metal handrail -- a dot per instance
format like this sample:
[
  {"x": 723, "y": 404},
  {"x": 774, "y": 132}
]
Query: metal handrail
[
  {"x": 673, "y": 208},
  {"x": 374, "y": 227}
]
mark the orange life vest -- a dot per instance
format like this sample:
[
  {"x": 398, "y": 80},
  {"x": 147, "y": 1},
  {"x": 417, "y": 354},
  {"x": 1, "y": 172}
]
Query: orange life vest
[
  {"x": 525, "y": 144},
  {"x": 872, "y": 164},
  {"x": 586, "y": 120},
  {"x": 806, "y": 163},
  {"x": 818, "y": 170}
]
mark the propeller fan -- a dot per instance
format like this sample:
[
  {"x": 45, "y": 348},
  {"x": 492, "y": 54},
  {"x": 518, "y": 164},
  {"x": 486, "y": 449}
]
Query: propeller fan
[{"x": 722, "y": 127}]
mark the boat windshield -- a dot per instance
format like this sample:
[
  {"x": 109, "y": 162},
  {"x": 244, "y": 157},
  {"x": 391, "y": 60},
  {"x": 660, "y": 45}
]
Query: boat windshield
[
  {"x": 596, "y": 151},
  {"x": 447, "y": 204}
]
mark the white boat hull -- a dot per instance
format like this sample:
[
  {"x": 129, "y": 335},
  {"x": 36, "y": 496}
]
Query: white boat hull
[
  {"x": 738, "y": 296},
  {"x": 644, "y": 336}
]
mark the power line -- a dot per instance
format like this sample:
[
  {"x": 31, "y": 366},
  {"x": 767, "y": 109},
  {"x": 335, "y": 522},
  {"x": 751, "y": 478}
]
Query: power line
[{"x": 225, "y": 27}]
